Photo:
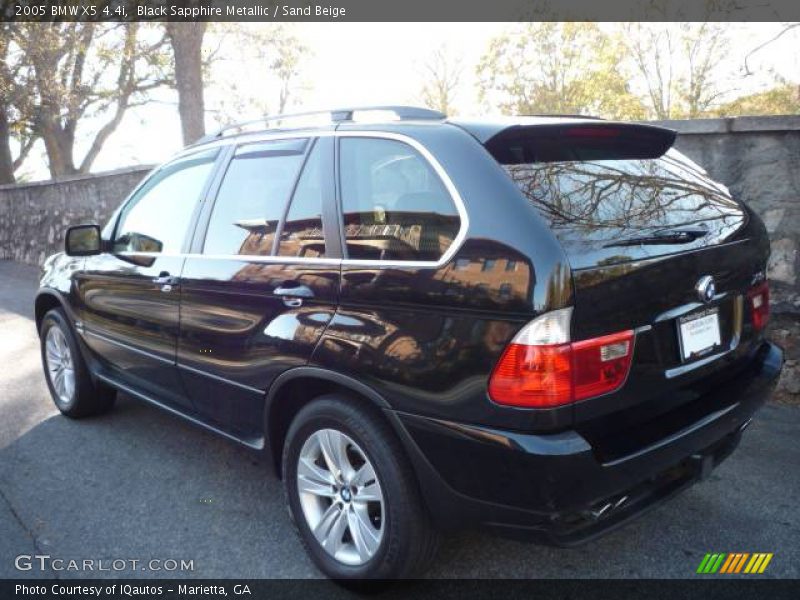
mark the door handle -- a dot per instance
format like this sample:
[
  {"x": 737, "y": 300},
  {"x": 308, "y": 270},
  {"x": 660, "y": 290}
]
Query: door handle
[
  {"x": 293, "y": 295},
  {"x": 166, "y": 281}
]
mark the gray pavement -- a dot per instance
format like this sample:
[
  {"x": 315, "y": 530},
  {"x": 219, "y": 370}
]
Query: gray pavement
[{"x": 141, "y": 484}]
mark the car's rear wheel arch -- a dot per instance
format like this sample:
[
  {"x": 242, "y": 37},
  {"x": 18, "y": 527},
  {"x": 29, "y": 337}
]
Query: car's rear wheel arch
[{"x": 296, "y": 388}]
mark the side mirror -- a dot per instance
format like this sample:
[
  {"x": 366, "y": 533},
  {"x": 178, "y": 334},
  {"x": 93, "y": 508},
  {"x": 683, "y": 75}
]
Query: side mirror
[{"x": 83, "y": 240}]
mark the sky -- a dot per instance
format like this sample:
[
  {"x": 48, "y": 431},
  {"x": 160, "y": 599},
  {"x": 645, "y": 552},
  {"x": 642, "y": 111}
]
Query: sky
[{"x": 353, "y": 64}]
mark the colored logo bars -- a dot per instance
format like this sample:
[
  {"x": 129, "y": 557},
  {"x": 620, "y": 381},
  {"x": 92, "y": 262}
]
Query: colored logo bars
[{"x": 741, "y": 562}]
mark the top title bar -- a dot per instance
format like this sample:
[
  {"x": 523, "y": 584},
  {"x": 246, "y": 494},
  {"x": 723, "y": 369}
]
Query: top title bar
[{"x": 399, "y": 10}]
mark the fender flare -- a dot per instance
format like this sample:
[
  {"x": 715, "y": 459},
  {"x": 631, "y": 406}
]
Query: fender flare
[
  {"x": 327, "y": 375},
  {"x": 53, "y": 293},
  {"x": 435, "y": 492},
  {"x": 323, "y": 374}
]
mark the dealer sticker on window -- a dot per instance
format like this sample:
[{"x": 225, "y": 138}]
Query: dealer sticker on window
[{"x": 699, "y": 333}]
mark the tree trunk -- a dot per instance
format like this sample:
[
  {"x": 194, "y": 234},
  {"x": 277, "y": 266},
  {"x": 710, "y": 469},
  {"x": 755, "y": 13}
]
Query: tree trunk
[
  {"x": 6, "y": 161},
  {"x": 58, "y": 143},
  {"x": 187, "y": 44}
]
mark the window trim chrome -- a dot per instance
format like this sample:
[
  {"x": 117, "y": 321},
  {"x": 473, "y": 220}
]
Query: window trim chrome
[
  {"x": 455, "y": 198},
  {"x": 250, "y": 258},
  {"x": 452, "y": 190}
]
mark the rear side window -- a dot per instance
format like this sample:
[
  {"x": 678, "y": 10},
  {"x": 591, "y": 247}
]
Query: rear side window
[
  {"x": 395, "y": 205},
  {"x": 252, "y": 198},
  {"x": 157, "y": 217}
]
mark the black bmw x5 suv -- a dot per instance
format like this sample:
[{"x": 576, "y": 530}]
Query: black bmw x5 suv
[{"x": 539, "y": 325}]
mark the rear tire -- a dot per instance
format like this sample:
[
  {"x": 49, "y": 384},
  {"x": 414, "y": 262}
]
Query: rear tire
[
  {"x": 68, "y": 379},
  {"x": 357, "y": 490}
]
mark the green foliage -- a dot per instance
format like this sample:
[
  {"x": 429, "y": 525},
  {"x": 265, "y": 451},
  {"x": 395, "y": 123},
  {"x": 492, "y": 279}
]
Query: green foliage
[
  {"x": 557, "y": 68},
  {"x": 783, "y": 99}
]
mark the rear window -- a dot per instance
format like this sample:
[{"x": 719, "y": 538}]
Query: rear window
[{"x": 608, "y": 200}]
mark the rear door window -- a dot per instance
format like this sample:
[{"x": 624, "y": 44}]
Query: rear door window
[
  {"x": 302, "y": 234},
  {"x": 395, "y": 205},
  {"x": 252, "y": 198}
]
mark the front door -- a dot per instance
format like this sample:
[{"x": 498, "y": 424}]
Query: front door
[{"x": 129, "y": 296}]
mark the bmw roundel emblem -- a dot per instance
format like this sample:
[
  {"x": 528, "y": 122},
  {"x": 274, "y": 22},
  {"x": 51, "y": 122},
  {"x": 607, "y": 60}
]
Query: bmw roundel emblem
[{"x": 706, "y": 289}]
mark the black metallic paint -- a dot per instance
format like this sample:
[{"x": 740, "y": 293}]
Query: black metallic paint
[
  {"x": 237, "y": 336},
  {"x": 131, "y": 321},
  {"x": 421, "y": 342}
]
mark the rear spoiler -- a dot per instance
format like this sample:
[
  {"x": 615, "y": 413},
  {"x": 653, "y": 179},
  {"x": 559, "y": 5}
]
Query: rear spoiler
[{"x": 579, "y": 140}]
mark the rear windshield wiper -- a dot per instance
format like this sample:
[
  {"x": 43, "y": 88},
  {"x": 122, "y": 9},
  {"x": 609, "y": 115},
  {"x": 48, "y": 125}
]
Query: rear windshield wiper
[{"x": 664, "y": 236}]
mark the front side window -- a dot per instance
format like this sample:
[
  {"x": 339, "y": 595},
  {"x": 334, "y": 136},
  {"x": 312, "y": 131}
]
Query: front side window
[
  {"x": 395, "y": 205},
  {"x": 252, "y": 198},
  {"x": 156, "y": 219}
]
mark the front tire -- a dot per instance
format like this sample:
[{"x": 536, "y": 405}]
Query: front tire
[
  {"x": 68, "y": 379},
  {"x": 353, "y": 495}
]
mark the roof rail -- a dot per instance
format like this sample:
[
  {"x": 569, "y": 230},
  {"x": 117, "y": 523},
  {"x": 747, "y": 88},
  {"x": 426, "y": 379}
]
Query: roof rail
[
  {"x": 336, "y": 115},
  {"x": 565, "y": 116}
]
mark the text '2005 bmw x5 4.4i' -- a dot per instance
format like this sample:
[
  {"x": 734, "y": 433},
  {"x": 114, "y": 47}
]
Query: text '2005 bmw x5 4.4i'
[{"x": 542, "y": 326}]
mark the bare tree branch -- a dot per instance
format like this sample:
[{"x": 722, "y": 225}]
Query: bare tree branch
[{"x": 763, "y": 45}]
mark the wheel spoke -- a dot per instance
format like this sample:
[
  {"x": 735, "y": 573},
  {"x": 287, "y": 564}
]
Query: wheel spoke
[
  {"x": 313, "y": 480},
  {"x": 57, "y": 382},
  {"x": 326, "y": 448},
  {"x": 61, "y": 343},
  {"x": 340, "y": 448},
  {"x": 334, "y": 541},
  {"x": 364, "y": 536},
  {"x": 69, "y": 382},
  {"x": 369, "y": 493},
  {"x": 330, "y": 529},
  {"x": 53, "y": 357},
  {"x": 334, "y": 450},
  {"x": 364, "y": 475}
]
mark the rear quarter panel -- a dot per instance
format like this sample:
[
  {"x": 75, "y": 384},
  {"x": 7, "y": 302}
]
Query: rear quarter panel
[{"x": 427, "y": 338}]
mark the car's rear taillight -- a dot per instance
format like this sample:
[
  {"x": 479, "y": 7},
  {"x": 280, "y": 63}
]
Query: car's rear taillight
[
  {"x": 759, "y": 304},
  {"x": 542, "y": 368},
  {"x": 601, "y": 364}
]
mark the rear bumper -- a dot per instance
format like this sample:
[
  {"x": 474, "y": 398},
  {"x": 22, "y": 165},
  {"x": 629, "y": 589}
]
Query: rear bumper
[{"x": 556, "y": 487}]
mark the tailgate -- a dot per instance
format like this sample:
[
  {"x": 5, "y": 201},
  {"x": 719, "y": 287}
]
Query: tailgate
[
  {"x": 645, "y": 231},
  {"x": 654, "y": 297}
]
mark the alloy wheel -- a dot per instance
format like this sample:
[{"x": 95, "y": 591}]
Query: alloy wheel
[
  {"x": 60, "y": 366},
  {"x": 341, "y": 496}
]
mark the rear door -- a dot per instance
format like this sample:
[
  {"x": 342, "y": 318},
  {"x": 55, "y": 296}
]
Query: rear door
[
  {"x": 261, "y": 286},
  {"x": 129, "y": 296}
]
